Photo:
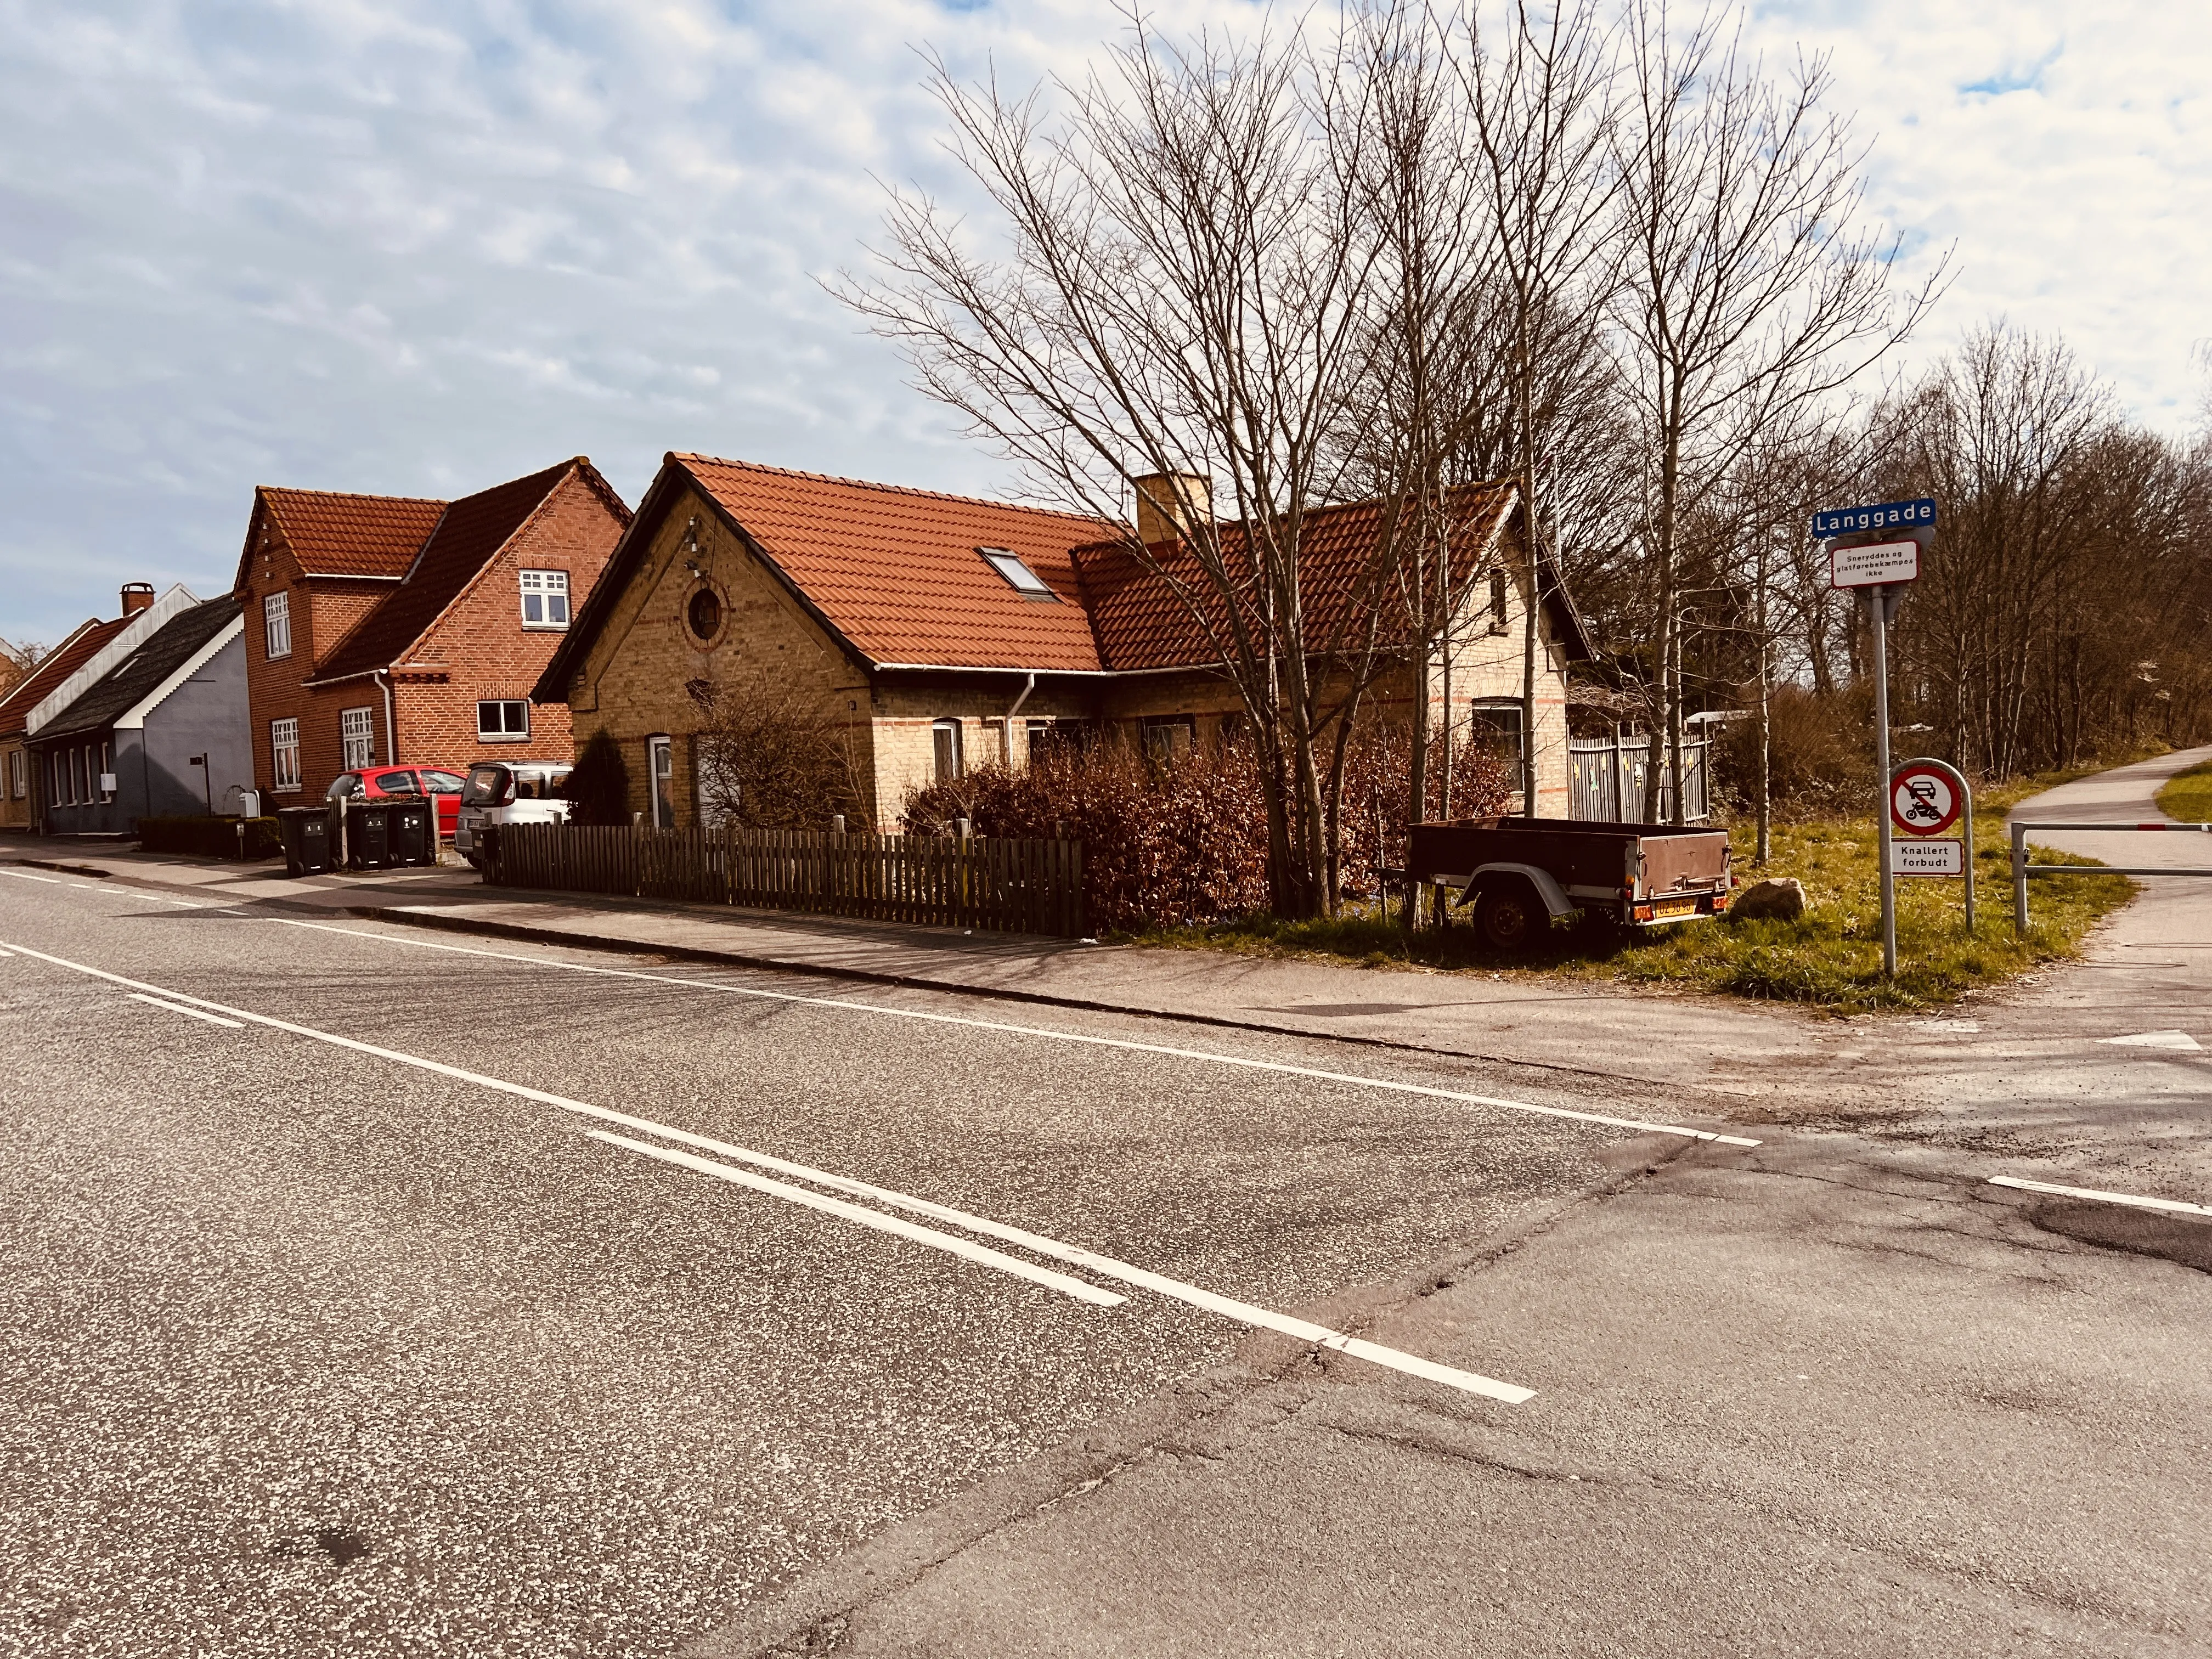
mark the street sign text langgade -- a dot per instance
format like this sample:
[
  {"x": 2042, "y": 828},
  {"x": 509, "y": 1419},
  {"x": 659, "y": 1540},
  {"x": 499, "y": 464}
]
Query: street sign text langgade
[{"x": 1846, "y": 521}]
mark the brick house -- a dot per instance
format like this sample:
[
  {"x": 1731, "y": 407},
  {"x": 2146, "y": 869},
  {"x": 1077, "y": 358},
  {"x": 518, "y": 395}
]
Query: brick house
[
  {"x": 942, "y": 632},
  {"x": 20, "y": 783},
  {"x": 381, "y": 629}
]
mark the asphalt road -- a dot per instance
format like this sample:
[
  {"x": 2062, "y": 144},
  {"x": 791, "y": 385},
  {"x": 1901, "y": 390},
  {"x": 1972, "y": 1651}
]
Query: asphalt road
[{"x": 312, "y": 1349}]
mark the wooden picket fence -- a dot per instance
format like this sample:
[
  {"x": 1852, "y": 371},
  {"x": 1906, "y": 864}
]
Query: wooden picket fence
[{"x": 1004, "y": 885}]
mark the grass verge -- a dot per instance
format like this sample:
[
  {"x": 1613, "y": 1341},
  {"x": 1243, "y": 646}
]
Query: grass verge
[
  {"x": 2188, "y": 795},
  {"x": 1830, "y": 958}
]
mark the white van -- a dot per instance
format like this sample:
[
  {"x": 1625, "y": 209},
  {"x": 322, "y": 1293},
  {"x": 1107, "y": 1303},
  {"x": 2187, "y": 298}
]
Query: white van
[{"x": 509, "y": 792}]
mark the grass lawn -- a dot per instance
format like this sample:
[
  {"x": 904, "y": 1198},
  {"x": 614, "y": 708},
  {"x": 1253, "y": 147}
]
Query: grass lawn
[
  {"x": 1829, "y": 958},
  {"x": 2188, "y": 795}
]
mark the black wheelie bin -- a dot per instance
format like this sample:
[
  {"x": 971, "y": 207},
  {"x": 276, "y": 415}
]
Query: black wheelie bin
[{"x": 306, "y": 833}]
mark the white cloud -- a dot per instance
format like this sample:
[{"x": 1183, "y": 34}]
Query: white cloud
[{"x": 421, "y": 246}]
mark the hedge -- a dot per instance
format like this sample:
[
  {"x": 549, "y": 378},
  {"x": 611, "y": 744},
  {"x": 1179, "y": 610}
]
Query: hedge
[{"x": 210, "y": 838}]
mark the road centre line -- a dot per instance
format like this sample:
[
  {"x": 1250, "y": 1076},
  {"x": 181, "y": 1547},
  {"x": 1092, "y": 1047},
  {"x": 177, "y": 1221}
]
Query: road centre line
[
  {"x": 1126, "y": 1044},
  {"x": 2173, "y": 1204},
  {"x": 1241, "y": 1312},
  {"x": 967, "y": 1248},
  {"x": 179, "y": 1008}
]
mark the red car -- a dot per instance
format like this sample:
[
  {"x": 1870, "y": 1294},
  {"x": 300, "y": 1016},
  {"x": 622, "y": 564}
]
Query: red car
[{"x": 380, "y": 782}]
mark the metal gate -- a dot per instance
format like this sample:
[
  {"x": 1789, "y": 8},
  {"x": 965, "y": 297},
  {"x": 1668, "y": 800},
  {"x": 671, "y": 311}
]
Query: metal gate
[{"x": 1606, "y": 778}]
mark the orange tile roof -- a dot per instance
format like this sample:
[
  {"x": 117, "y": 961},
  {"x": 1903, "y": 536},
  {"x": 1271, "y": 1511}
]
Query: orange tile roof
[
  {"x": 57, "y": 665},
  {"x": 333, "y": 534},
  {"x": 896, "y": 570}
]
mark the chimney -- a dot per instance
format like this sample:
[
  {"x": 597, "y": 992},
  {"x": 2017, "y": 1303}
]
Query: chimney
[
  {"x": 136, "y": 597},
  {"x": 1169, "y": 504}
]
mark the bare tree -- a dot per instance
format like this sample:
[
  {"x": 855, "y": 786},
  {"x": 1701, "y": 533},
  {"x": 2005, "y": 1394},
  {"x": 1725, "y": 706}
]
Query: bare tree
[
  {"x": 775, "y": 761},
  {"x": 1183, "y": 298},
  {"x": 1747, "y": 289}
]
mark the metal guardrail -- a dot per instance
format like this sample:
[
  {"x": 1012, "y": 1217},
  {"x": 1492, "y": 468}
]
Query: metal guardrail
[{"x": 2022, "y": 869}]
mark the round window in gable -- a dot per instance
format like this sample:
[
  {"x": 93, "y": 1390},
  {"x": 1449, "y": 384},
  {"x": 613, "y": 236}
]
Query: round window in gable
[{"x": 703, "y": 615}]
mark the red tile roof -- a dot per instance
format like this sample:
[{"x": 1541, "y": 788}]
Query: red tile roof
[
  {"x": 339, "y": 535},
  {"x": 467, "y": 534},
  {"x": 896, "y": 571},
  {"x": 57, "y": 665}
]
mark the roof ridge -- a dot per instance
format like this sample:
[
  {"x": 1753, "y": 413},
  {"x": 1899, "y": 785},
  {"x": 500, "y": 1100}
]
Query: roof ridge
[
  {"x": 686, "y": 455},
  {"x": 352, "y": 494}
]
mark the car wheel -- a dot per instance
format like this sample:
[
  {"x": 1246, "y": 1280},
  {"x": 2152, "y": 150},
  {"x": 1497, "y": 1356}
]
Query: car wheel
[{"x": 1507, "y": 919}]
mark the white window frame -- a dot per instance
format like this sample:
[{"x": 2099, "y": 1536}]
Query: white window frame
[
  {"x": 660, "y": 781},
  {"x": 945, "y": 744},
  {"x": 284, "y": 756},
  {"x": 357, "y": 737},
  {"x": 105, "y": 791},
  {"x": 502, "y": 735},
  {"x": 277, "y": 625},
  {"x": 17, "y": 787},
  {"x": 547, "y": 591}
]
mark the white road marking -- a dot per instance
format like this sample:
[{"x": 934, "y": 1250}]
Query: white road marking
[
  {"x": 2173, "y": 1204},
  {"x": 1126, "y": 1044},
  {"x": 2178, "y": 1039},
  {"x": 1242, "y": 1312},
  {"x": 19, "y": 875},
  {"x": 179, "y": 1008},
  {"x": 4, "y": 951},
  {"x": 966, "y": 1249}
]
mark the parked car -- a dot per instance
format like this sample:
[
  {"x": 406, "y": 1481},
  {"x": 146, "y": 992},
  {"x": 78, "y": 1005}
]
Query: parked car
[
  {"x": 377, "y": 782},
  {"x": 1523, "y": 874},
  {"x": 508, "y": 792}
]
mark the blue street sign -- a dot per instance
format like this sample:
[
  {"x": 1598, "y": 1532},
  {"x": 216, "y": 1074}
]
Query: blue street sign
[{"x": 1905, "y": 515}]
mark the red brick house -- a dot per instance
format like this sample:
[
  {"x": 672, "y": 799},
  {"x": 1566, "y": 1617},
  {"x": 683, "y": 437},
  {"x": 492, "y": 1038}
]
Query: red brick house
[{"x": 384, "y": 630}]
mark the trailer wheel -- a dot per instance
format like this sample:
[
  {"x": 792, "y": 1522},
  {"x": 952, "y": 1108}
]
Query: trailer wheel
[{"x": 1508, "y": 918}]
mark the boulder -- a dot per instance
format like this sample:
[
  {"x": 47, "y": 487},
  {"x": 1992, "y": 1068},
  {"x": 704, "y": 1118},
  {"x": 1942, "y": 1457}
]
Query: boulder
[{"x": 1778, "y": 898}]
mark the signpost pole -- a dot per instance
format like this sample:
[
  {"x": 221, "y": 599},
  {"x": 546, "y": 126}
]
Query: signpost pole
[{"x": 1880, "y": 593}]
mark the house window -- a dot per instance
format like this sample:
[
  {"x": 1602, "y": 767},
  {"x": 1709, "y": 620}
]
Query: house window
[
  {"x": 1022, "y": 579},
  {"x": 503, "y": 722},
  {"x": 15, "y": 786},
  {"x": 544, "y": 598},
  {"x": 277, "y": 623},
  {"x": 356, "y": 738},
  {"x": 1169, "y": 739},
  {"x": 660, "y": 767},
  {"x": 1497, "y": 724},
  {"x": 1497, "y": 601},
  {"x": 284, "y": 753},
  {"x": 945, "y": 737},
  {"x": 703, "y": 615},
  {"x": 107, "y": 773}
]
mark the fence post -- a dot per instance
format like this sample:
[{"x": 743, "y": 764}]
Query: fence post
[{"x": 2018, "y": 878}]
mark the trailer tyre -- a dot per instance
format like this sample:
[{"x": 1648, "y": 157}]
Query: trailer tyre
[{"x": 1509, "y": 917}]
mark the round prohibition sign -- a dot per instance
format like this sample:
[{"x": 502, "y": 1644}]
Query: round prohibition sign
[{"x": 1923, "y": 801}]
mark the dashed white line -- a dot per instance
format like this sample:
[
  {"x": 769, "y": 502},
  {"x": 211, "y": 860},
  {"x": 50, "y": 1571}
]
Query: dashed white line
[
  {"x": 2175, "y": 1204},
  {"x": 1126, "y": 1044},
  {"x": 1245, "y": 1313},
  {"x": 179, "y": 1008}
]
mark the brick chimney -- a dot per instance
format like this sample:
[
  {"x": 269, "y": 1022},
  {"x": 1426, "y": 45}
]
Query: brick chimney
[
  {"x": 1169, "y": 504},
  {"x": 136, "y": 597}
]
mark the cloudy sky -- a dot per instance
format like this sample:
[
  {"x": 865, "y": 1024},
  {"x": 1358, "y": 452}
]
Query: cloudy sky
[{"x": 419, "y": 247}]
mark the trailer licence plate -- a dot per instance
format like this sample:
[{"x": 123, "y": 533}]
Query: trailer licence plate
[{"x": 1667, "y": 909}]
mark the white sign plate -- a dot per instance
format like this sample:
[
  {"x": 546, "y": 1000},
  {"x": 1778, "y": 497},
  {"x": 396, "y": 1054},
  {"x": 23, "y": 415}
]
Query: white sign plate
[
  {"x": 1883, "y": 562},
  {"x": 1916, "y": 855}
]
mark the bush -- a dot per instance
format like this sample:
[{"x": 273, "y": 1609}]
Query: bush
[
  {"x": 1821, "y": 753},
  {"x": 1171, "y": 843},
  {"x": 204, "y": 837},
  {"x": 599, "y": 785}
]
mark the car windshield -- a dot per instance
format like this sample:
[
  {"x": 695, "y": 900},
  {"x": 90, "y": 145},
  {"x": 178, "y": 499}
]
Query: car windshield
[
  {"x": 441, "y": 783},
  {"x": 397, "y": 783},
  {"x": 486, "y": 786}
]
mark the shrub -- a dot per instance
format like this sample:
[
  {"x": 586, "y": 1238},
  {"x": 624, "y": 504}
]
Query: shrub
[
  {"x": 200, "y": 836},
  {"x": 1170, "y": 843},
  {"x": 599, "y": 785}
]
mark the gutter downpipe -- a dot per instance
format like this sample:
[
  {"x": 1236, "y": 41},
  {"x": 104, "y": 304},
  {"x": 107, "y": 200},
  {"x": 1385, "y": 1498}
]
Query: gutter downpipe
[
  {"x": 382, "y": 677},
  {"x": 1006, "y": 722}
]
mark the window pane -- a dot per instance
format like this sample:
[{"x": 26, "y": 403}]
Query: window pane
[
  {"x": 558, "y": 606},
  {"x": 533, "y": 607}
]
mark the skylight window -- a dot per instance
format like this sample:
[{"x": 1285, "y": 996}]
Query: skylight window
[{"x": 1018, "y": 576}]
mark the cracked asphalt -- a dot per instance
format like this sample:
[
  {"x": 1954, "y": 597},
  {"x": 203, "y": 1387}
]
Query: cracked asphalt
[{"x": 307, "y": 1351}]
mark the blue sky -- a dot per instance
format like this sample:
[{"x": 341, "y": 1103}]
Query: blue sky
[{"x": 418, "y": 248}]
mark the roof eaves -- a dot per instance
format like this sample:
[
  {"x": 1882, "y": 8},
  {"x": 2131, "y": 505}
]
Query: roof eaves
[
  {"x": 614, "y": 577},
  {"x": 30, "y": 678}
]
